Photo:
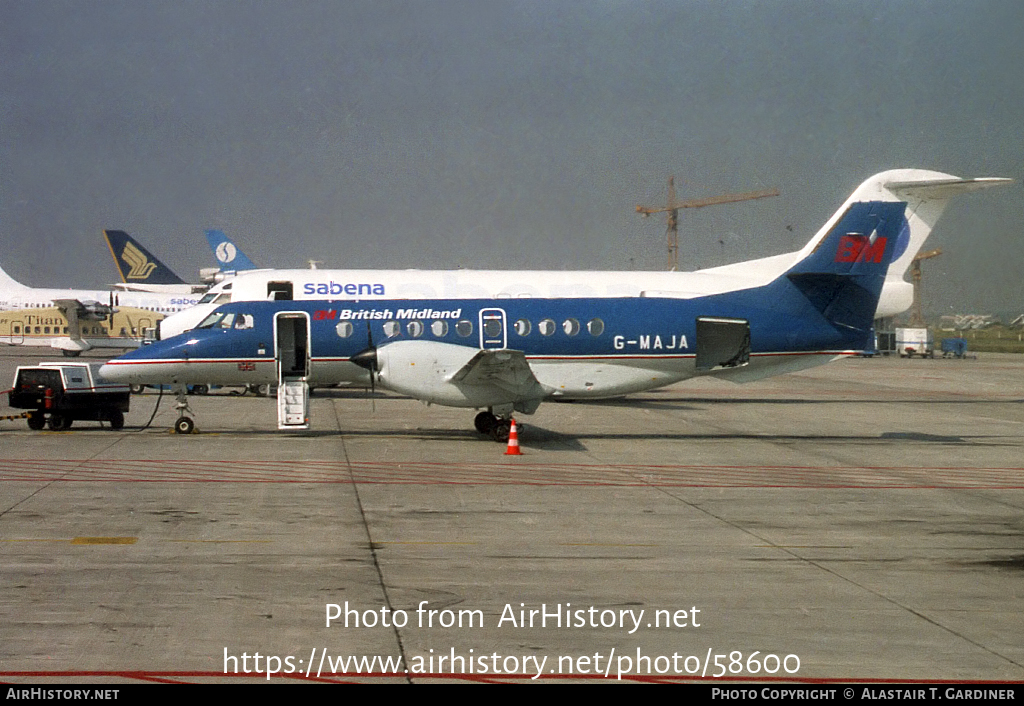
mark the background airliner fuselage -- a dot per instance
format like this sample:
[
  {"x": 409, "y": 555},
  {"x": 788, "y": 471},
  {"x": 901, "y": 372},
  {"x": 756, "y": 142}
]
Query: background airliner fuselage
[
  {"x": 925, "y": 194},
  {"x": 74, "y": 320}
]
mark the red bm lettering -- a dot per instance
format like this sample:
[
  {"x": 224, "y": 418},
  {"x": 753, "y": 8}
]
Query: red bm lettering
[{"x": 859, "y": 248}]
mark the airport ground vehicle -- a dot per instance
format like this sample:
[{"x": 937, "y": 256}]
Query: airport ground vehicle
[
  {"x": 915, "y": 341},
  {"x": 954, "y": 348},
  {"x": 67, "y": 392}
]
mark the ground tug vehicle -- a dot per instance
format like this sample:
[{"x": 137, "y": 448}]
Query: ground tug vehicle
[{"x": 60, "y": 393}]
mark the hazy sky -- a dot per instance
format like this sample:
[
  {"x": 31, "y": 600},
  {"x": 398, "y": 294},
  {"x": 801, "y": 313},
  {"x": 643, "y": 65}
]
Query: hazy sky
[{"x": 490, "y": 134}]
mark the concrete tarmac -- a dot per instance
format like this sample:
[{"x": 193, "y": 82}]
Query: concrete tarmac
[{"x": 859, "y": 521}]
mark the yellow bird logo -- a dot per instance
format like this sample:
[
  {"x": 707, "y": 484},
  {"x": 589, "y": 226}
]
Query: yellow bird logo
[{"x": 141, "y": 267}]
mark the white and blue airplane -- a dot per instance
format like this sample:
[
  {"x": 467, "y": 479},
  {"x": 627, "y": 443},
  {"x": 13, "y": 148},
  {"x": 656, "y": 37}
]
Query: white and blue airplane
[{"x": 506, "y": 355}]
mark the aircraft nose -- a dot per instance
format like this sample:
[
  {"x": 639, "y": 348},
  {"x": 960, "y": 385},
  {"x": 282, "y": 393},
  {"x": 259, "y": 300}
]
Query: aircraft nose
[{"x": 113, "y": 373}]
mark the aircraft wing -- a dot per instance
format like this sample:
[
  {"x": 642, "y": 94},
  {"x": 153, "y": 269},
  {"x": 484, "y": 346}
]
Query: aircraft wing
[
  {"x": 502, "y": 368},
  {"x": 89, "y": 310}
]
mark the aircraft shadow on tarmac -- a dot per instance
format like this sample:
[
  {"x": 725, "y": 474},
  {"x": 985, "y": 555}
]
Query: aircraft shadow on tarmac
[
  {"x": 1013, "y": 563},
  {"x": 697, "y": 402},
  {"x": 541, "y": 438}
]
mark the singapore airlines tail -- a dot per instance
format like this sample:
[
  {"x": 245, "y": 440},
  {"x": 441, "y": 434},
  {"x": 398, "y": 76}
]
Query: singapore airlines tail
[{"x": 135, "y": 264}]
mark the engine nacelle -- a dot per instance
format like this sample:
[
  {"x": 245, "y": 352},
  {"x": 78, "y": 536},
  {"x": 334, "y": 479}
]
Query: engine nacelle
[
  {"x": 425, "y": 370},
  {"x": 94, "y": 311}
]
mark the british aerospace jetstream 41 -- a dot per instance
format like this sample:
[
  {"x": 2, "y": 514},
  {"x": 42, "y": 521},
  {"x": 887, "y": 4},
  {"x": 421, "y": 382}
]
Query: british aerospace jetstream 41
[{"x": 505, "y": 355}]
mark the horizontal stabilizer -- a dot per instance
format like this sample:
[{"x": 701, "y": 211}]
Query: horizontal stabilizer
[{"x": 942, "y": 188}]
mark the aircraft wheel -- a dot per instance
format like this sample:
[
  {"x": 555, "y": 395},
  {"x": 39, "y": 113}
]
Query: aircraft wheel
[
  {"x": 263, "y": 390},
  {"x": 36, "y": 421},
  {"x": 501, "y": 430},
  {"x": 184, "y": 425},
  {"x": 70, "y": 354},
  {"x": 136, "y": 389},
  {"x": 485, "y": 422},
  {"x": 116, "y": 420},
  {"x": 200, "y": 389}
]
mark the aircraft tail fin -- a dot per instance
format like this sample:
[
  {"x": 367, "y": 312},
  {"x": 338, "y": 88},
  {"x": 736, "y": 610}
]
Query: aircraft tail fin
[
  {"x": 9, "y": 283},
  {"x": 842, "y": 276},
  {"x": 925, "y": 194},
  {"x": 136, "y": 264},
  {"x": 229, "y": 257}
]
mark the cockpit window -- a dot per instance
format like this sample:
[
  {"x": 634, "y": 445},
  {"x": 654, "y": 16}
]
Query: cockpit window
[
  {"x": 211, "y": 320},
  {"x": 226, "y": 320},
  {"x": 217, "y": 297}
]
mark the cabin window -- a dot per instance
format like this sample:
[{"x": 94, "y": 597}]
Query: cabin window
[
  {"x": 464, "y": 328},
  {"x": 546, "y": 327},
  {"x": 492, "y": 328},
  {"x": 439, "y": 328},
  {"x": 595, "y": 327},
  {"x": 344, "y": 329},
  {"x": 522, "y": 327},
  {"x": 414, "y": 328},
  {"x": 571, "y": 327},
  {"x": 392, "y": 328}
]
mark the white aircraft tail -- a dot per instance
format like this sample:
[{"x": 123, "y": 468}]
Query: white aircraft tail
[
  {"x": 926, "y": 194},
  {"x": 9, "y": 283}
]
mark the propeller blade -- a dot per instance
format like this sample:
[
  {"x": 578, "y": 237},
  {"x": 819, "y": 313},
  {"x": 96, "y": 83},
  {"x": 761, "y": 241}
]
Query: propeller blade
[{"x": 367, "y": 358}]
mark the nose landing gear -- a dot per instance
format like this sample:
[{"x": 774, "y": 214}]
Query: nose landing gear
[{"x": 184, "y": 424}]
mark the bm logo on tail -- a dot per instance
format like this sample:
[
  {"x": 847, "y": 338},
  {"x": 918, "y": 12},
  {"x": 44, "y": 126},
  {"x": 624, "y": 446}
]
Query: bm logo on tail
[{"x": 855, "y": 247}]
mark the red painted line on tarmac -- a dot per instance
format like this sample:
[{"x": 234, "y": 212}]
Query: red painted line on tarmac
[{"x": 516, "y": 474}]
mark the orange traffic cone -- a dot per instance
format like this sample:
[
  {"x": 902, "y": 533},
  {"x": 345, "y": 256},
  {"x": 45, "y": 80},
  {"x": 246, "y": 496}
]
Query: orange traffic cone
[{"x": 513, "y": 441}]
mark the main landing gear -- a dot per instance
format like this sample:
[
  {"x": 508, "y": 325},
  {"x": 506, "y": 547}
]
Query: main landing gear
[{"x": 490, "y": 424}]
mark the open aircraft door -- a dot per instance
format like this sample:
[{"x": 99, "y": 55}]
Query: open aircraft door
[{"x": 291, "y": 351}]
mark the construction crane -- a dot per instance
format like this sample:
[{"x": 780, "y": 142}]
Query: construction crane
[
  {"x": 916, "y": 318},
  {"x": 673, "y": 206}
]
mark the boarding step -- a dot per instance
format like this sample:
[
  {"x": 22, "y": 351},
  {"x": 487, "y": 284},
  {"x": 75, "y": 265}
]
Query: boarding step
[{"x": 293, "y": 404}]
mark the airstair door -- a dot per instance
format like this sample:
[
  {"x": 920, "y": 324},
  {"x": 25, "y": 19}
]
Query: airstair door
[{"x": 291, "y": 350}]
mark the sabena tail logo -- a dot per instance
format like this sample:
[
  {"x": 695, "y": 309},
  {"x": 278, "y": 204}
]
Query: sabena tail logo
[{"x": 141, "y": 267}]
